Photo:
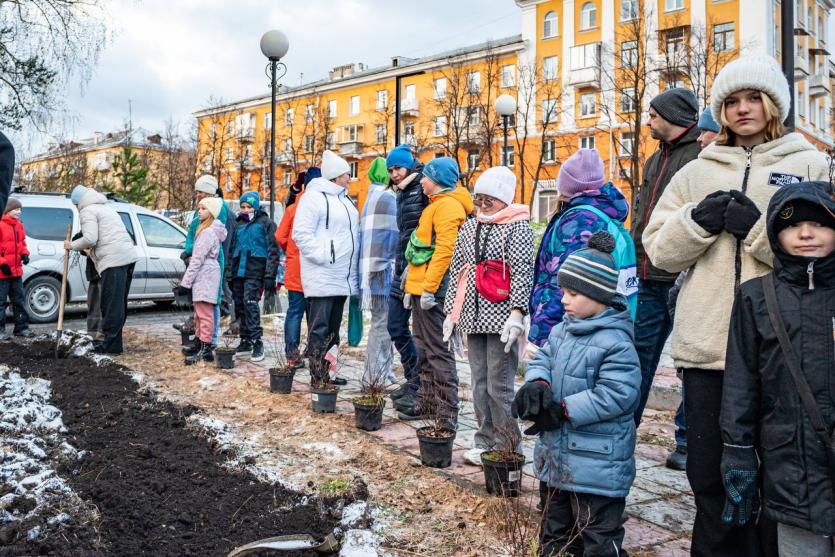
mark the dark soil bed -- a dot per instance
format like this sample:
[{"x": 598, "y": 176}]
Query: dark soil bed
[{"x": 159, "y": 487}]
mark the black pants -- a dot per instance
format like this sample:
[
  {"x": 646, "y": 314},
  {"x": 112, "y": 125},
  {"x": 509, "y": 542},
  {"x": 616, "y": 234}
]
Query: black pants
[
  {"x": 115, "y": 286},
  {"x": 438, "y": 390},
  {"x": 324, "y": 316},
  {"x": 246, "y": 293},
  {"x": 12, "y": 289},
  {"x": 711, "y": 536},
  {"x": 401, "y": 336},
  {"x": 580, "y": 524}
]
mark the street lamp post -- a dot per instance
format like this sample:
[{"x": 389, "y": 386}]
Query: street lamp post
[
  {"x": 274, "y": 45},
  {"x": 506, "y": 107}
]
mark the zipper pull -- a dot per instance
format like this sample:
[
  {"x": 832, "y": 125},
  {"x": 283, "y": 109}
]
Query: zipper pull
[
  {"x": 810, "y": 270},
  {"x": 748, "y": 154}
]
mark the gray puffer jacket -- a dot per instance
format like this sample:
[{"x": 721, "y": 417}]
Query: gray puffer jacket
[{"x": 103, "y": 232}]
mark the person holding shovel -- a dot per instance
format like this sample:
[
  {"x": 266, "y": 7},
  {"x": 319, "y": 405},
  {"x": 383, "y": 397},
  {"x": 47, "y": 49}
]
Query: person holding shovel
[{"x": 114, "y": 255}]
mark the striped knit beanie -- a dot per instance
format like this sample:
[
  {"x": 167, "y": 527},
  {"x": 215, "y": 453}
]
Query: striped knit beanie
[{"x": 591, "y": 271}]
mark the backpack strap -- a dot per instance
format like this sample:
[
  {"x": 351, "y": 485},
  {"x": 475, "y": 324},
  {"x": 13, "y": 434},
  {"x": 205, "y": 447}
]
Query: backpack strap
[{"x": 800, "y": 383}]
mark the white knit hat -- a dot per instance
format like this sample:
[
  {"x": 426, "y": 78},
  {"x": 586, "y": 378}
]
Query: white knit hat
[
  {"x": 206, "y": 184},
  {"x": 333, "y": 165},
  {"x": 213, "y": 204},
  {"x": 759, "y": 72},
  {"x": 498, "y": 182}
]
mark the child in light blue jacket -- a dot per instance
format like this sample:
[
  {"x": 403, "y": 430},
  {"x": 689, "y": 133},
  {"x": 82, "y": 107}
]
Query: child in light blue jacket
[{"x": 581, "y": 391}]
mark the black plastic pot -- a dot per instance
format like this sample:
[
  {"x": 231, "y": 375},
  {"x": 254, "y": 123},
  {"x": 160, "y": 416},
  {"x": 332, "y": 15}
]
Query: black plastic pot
[
  {"x": 435, "y": 452},
  {"x": 369, "y": 417},
  {"x": 186, "y": 338},
  {"x": 281, "y": 381},
  {"x": 323, "y": 401},
  {"x": 503, "y": 476},
  {"x": 225, "y": 358}
]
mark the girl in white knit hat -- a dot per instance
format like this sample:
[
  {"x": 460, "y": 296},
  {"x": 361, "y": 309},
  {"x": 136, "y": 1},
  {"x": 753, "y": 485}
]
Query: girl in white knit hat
[
  {"x": 711, "y": 219},
  {"x": 492, "y": 268}
]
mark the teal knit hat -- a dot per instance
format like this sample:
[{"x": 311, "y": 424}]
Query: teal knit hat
[
  {"x": 251, "y": 197},
  {"x": 591, "y": 271}
]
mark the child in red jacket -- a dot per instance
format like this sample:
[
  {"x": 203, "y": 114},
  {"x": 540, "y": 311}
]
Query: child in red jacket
[{"x": 13, "y": 256}]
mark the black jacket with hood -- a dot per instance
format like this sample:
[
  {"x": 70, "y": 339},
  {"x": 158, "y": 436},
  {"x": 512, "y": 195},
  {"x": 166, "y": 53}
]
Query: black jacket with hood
[
  {"x": 658, "y": 171},
  {"x": 760, "y": 403},
  {"x": 411, "y": 202}
]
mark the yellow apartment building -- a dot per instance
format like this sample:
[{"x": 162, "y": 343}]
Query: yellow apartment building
[{"x": 582, "y": 72}]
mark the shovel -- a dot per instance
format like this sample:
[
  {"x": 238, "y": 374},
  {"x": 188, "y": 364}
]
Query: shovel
[
  {"x": 294, "y": 542},
  {"x": 59, "y": 333}
]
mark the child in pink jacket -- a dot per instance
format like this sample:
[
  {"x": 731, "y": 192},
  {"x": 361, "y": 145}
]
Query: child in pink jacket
[{"x": 203, "y": 276}]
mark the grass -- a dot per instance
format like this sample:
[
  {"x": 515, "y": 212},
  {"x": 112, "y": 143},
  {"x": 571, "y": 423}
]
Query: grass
[{"x": 334, "y": 488}]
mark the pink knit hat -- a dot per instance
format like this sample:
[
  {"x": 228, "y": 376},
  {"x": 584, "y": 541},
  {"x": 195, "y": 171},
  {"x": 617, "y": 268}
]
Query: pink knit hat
[{"x": 583, "y": 171}]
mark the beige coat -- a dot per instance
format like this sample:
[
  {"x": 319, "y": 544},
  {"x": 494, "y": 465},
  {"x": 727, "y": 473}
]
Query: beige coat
[
  {"x": 103, "y": 232},
  {"x": 674, "y": 242}
]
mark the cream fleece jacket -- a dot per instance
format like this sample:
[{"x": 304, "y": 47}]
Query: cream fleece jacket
[{"x": 674, "y": 242}]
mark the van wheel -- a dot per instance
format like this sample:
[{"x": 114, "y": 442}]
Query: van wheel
[{"x": 41, "y": 297}]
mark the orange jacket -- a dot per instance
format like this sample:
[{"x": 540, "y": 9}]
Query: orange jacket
[{"x": 284, "y": 237}]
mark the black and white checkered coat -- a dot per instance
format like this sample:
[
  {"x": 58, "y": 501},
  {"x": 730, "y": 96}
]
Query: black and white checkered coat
[{"x": 514, "y": 243}]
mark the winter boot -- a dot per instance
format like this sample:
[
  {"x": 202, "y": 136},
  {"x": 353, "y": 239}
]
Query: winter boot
[
  {"x": 257, "y": 351},
  {"x": 202, "y": 348},
  {"x": 677, "y": 460},
  {"x": 192, "y": 348},
  {"x": 208, "y": 353}
]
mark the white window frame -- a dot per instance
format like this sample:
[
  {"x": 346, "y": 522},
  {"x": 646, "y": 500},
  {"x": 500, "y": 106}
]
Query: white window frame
[
  {"x": 439, "y": 126},
  {"x": 380, "y": 135},
  {"x": 508, "y": 76},
  {"x": 382, "y": 99},
  {"x": 354, "y": 105},
  {"x": 330, "y": 140},
  {"x": 409, "y": 132},
  {"x": 288, "y": 177},
  {"x": 628, "y": 54},
  {"x": 588, "y": 16},
  {"x": 508, "y": 156},
  {"x": 288, "y": 144},
  {"x": 588, "y": 105},
  {"x": 439, "y": 86},
  {"x": 549, "y": 110},
  {"x": 549, "y": 150},
  {"x": 474, "y": 82},
  {"x": 309, "y": 143},
  {"x": 550, "y": 68},
  {"x": 587, "y": 142},
  {"x": 309, "y": 111},
  {"x": 354, "y": 169},
  {"x": 550, "y": 25},
  {"x": 473, "y": 116},
  {"x": 332, "y": 106},
  {"x": 473, "y": 158},
  {"x": 268, "y": 121},
  {"x": 585, "y": 56},
  {"x": 627, "y": 99},
  {"x": 673, "y": 5},
  {"x": 410, "y": 91},
  {"x": 628, "y": 10},
  {"x": 727, "y": 32},
  {"x": 627, "y": 143},
  {"x": 289, "y": 117}
]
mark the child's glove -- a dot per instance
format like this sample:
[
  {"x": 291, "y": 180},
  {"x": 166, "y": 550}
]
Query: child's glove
[
  {"x": 548, "y": 420},
  {"x": 181, "y": 290},
  {"x": 531, "y": 400},
  {"x": 741, "y": 215},
  {"x": 739, "y": 474},
  {"x": 5, "y": 269},
  {"x": 513, "y": 328},
  {"x": 24, "y": 259},
  {"x": 407, "y": 301},
  {"x": 427, "y": 301}
]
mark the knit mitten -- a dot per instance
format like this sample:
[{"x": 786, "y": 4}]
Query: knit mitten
[
  {"x": 710, "y": 212},
  {"x": 740, "y": 215},
  {"x": 739, "y": 474}
]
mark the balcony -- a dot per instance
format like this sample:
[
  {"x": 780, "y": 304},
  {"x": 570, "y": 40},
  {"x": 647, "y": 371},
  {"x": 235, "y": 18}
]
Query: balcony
[
  {"x": 350, "y": 148},
  {"x": 249, "y": 164},
  {"x": 283, "y": 157},
  {"x": 800, "y": 27},
  {"x": 585, "y": 77},
  {"x": 409, "y": 107},
  {"x": 246, "y": 136},
  {"x": 818, "y": 85},
  {"x": 801, "y": 68}
]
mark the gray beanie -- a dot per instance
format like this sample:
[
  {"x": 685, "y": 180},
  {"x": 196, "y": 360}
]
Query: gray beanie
[
  {"x": 677, "y": 106},
  {"x": 758, "y": 72}
]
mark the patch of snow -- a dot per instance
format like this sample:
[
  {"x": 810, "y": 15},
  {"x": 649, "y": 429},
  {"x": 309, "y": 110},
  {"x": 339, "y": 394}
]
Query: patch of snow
[
  {"x": 33, "y": 534},
  {"x": 220, "y": 431},
  {"x": 355, "y": 515},
  {"x": 207, "y": 382},
  {"x": 360, "y": 543},
  {"x": 329, "y": 449}
]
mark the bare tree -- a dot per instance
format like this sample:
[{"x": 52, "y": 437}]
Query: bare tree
[
  {"x": 381, "y": 116},
  {"x": 707, "y": 53},
  {"x": 215, "y": 140},
  {"x": 176, "y": 167},
  {"x": 44, "y": 46}
]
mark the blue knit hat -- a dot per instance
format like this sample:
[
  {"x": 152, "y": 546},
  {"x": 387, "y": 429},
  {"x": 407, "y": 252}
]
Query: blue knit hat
[
  {"x": 443, "y": 171},
  {"x": 76, "y": 194},
  {"x": 251, "y": 197},
  {"x": 707, "y": 123},
  {"x": 401, "y": 156},
  {"x": 591, "y": 271},
  {"x": 311, "y": 173}
]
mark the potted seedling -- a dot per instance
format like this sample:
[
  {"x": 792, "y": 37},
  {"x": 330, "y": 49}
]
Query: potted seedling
[
  {"x": 225, "y": 353},
  {"x": 368, "y": 407},
  {"x": 322, "y": 391},
  {"x": 503, "y": 465},
  {"x": 435, "y": 440},
  {"x": 281, "y": 374}
]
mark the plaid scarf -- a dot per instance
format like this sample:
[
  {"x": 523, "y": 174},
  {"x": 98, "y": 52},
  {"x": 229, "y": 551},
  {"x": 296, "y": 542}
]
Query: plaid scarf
[{"x": 378, "y": 244}]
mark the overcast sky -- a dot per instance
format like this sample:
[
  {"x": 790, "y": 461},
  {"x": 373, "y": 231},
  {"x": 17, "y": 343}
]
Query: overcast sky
[{"x": 169, "y": 56}]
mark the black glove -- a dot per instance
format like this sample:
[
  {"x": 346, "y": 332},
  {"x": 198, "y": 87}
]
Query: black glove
[
  {"x": 548, "y": 420},
  {"x": 184, "y": 256},
  {"x": 181, "y": 290},
  {"x": 531, "y": 400},
  {"x": 710, "y": 212},
  {"x": 5, "y": 269},
  {"x": 77, "y": 236},
  {"x": 739, "y": 474},
  {"x": 24, "y": 259},
  {"x": 740, "y": 215}
]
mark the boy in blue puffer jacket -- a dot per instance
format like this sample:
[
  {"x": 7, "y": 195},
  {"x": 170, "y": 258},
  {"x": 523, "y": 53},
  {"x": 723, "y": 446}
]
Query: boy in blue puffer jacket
[
  {"x": 581, "y": 391},
  {"x": 251, "y": 268}
]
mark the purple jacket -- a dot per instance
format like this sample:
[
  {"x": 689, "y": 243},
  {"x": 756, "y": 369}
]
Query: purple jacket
[{"x": 203, "y": 273}]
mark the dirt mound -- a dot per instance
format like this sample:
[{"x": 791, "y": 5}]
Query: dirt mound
[{"x": 160, "y": 489}]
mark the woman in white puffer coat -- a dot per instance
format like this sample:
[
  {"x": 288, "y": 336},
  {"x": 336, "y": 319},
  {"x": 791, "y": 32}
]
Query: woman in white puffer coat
[{"x": 711, "y": 219}]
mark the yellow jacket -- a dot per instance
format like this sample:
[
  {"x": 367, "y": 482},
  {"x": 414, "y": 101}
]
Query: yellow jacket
[{"x": 444, "y": 215}]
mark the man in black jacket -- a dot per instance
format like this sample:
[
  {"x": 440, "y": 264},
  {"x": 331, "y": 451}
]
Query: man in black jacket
[
  {"x": 405, "y": 176},
  {"x": 6, "y": 170},
  {"x": 766, "y": 427},
  {"x": 672, "y": 121}
]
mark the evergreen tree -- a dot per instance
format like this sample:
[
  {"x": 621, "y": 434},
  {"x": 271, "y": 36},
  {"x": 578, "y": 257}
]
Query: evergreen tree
[{"x": 132, "y": 182}]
